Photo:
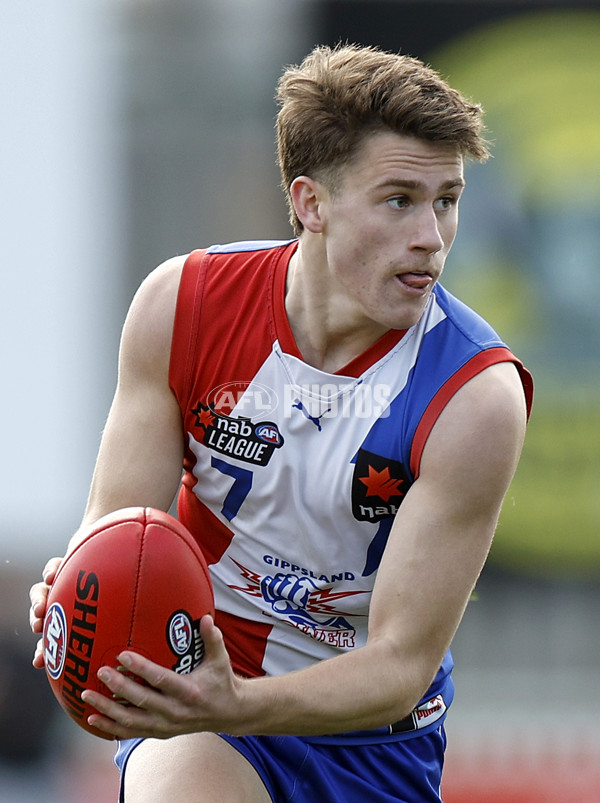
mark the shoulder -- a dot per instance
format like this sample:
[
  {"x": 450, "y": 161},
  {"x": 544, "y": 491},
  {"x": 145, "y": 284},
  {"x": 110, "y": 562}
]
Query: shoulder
[
  {"x": 491, "y": 402},
  {"x": 158, "y": 292},
  {"x": 148, "y": 328},
  {"x": 476, "y": 442},
  {"x": 492, "y": 399},
  {"x": 153, "y": 306}
]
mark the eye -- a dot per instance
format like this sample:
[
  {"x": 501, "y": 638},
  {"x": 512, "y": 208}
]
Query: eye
[
  {"x": 446, "y": 202},
  {"x": 398, "y": 202}
]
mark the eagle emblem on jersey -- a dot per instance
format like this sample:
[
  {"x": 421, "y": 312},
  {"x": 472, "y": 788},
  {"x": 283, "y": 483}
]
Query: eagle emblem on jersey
[
  {"x": 379, "y": 485},
  {"x": 238, "y": 437}
]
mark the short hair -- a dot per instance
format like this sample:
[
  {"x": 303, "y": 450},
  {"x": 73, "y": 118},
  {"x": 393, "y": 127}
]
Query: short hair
[{"x": 337, "y": 96}]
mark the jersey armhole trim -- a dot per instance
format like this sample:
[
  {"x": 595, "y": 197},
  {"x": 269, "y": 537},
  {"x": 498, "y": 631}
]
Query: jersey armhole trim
[
  {"x": 470, "y": 369},
  {"x": 187, "y": 325}
]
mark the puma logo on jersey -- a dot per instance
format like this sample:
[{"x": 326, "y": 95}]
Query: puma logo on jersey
[{"x": 316, "y": 419}]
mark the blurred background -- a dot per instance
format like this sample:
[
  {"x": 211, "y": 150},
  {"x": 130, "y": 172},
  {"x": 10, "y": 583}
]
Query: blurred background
[{"x": 134, "y": 130}]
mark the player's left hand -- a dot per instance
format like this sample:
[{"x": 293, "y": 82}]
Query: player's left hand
[{"x": 172, "y": 704}]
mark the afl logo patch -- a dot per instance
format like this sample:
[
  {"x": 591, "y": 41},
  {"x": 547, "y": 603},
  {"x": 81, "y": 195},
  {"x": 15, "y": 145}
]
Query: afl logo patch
[
  {"x": 269, "y": 434},
  {"x": 55, "y": 640},
  {"x": 180, "y": 632}
]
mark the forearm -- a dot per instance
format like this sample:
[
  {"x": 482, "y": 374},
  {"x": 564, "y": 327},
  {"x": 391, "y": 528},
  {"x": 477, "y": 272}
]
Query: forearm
[{"x": 369, "y": 687}]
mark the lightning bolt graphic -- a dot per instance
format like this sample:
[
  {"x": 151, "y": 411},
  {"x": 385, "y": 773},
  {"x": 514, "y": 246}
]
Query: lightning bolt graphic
[
  {"x": 253, "y": 588},
  {"x": 320, "y": 601}
]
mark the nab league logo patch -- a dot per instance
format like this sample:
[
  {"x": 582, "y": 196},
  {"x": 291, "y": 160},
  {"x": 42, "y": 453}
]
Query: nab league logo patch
[
  {"x": 55, "y": 640},
  {"x": 238, "y": 437},
  {"x": 379, "y": 485}
]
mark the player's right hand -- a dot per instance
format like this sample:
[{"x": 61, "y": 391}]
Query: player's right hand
[{"x": 38, "y": 595}]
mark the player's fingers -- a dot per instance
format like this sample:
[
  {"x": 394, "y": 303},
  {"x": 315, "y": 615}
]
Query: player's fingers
[
  {"x": 129, "y": 722},
  {"x": 153, "y": 698},
  {"x": 38, "y": 658},
  {"x": 214, "y": 645},
  {"x": 50, "y": 569},
  {"x": 113, "y": 717},
  {"x": 109, "y": 727},
  {"x": 165, "y": 680},
  {"x": 123, "y": 688},
  {"x": 123, "y": 685},
  {"x": 38, "y": 594}
]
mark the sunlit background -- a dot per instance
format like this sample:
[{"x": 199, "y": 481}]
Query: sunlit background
[{"x": 133, "y": 130}]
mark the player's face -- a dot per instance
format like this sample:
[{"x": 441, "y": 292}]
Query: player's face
[{"x": 389, "y": 227}]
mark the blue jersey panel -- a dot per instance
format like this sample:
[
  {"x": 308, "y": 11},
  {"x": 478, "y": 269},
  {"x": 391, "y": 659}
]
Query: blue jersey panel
[{"x": 444, "y": 350}]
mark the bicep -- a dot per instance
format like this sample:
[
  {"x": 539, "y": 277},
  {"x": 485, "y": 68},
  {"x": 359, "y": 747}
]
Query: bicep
[
  {"x": 444, "y": 528},
  {"x": 141, "y": 453},
  {"x": 140, "y": 458}
]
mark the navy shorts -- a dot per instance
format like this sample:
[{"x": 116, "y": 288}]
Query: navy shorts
[{"x": 300, "y": 770}]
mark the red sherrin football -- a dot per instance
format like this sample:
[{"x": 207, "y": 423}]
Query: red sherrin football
[{"x": 137, "y": 581}]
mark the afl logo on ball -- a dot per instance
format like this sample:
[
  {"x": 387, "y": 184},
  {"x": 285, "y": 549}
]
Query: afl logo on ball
[
  {"x": 180, "y": 632},
  {"x": 55, "y": 640}
]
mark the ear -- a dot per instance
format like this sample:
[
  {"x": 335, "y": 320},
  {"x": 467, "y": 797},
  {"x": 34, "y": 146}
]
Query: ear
[{"x": 307, "y": 196}]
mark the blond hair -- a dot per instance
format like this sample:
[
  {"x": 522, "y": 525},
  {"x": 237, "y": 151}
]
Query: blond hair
[{"x": 337, "y": 96}]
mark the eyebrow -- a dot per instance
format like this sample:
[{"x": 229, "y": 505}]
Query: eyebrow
[{"x": 409, "y": 184}]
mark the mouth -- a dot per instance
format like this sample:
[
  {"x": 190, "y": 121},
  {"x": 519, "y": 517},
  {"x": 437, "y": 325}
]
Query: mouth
[{"x": 416, "y": 282}]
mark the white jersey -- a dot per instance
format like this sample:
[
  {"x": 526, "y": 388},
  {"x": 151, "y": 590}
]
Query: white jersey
[{"x": 293, "y": 475}]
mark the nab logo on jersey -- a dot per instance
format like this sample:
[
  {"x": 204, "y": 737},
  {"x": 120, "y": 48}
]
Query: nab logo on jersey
[
  {"x": 379, "y": 485},
  {"x": 238, "y": 437}
]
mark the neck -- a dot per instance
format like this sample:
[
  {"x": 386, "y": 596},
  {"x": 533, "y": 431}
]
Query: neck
[{"x": 327, "y": 330}]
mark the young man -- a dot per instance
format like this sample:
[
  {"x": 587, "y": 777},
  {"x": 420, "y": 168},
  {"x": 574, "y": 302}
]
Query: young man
[{"x": 347, "y": 431}]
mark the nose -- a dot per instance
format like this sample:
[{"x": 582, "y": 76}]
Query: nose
[{"x": 426, "y": 234}]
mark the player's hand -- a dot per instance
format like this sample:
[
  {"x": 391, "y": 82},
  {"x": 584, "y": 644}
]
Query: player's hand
[
  {"x": 38, "y": 595},
  {"x": 207, "y": 699}
]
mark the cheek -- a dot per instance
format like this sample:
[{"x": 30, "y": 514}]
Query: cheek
[
  {"x": 348, "y": 265},
  {"x": 449, "y": 231},
  {"x": 359, "y": 273},
  {"x": 355, "y": 250}
]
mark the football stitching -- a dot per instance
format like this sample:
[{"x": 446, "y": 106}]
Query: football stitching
[{"x": 137, "y": 582}]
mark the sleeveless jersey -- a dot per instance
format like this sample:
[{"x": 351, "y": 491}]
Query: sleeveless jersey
[{"x": 292, "y": 476}]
